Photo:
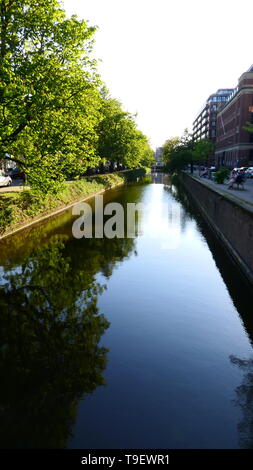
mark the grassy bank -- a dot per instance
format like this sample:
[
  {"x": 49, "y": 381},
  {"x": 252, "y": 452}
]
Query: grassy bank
[
  {"x": 17, "y": 209},
  {"x": 20, "y": 208}
]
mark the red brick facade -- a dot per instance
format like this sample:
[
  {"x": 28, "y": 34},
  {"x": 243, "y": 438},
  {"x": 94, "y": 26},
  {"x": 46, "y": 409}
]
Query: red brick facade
[{"x": 234, "y": 145}]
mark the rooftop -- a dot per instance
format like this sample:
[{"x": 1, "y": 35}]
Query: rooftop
[{"x": 216, "y": 97}]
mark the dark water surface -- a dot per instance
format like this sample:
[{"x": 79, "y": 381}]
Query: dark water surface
[{"x": 141, "y": 342}]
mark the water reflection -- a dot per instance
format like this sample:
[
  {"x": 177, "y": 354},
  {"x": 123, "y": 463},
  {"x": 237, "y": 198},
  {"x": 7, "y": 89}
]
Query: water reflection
[
  {"x": 159, "y": 178},
  {"x": 242, "y": 297},
  {"x": 166, "y": 361},
  {"x": 50, "y": 355},
  {"x": 244, "y": 400},
  {"x": 239, "y": 290}
]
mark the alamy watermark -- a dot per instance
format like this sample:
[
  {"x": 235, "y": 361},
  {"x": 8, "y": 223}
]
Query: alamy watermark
[{"x": 129, "y": 221}]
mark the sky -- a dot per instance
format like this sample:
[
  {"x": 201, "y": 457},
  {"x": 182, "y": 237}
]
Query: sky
[{"x": 163, "y": 58}]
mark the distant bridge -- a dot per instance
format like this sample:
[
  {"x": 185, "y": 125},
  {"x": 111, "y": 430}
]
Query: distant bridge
[{"x": 157, "y": 167}]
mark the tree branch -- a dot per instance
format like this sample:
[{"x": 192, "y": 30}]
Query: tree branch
[
  {"x": 38, "y": 288},
  {"x": 14, "y": 159},
  {"x": 21, "y": 126}
]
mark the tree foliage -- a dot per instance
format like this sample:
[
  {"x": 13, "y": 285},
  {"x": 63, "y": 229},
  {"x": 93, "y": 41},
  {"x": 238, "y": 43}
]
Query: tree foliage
[
  {"x": 248, "y": 127},
  {"x": 120, "y": 141},
  {"x": 51, "y": 97},
  {"x": 221, "y": 175},
  {"x": 169, "y": 148},
  {"x": 202, "y": 150},
  {"x": 179, "y": 152},
  {"x": 48, "y": 91}
]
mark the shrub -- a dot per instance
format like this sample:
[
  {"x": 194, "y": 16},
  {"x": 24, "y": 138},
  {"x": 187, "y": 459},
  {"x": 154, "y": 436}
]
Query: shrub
[
  {"x": 221, "y": 175},
  {"x": 21, "y": 207}
]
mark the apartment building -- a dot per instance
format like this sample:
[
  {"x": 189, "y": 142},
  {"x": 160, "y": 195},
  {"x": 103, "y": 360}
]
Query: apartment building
[
  {"x": 204, "y": 126},
  {"x": 234, "y": 145}
]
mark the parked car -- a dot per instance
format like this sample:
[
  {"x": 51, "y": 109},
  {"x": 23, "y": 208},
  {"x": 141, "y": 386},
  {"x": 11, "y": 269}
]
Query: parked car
[
  {"x": 16, "y": 173},
  {"x": 5, "y": 180},
  {"x": 249, "y": 172}
]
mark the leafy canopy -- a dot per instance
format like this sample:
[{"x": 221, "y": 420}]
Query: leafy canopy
[
  {"x": 49, "y": 96},
  {"x": 120, "y": 141},
  {"x": 179, "y": 152},
  {"x": 55, "y": 115}
]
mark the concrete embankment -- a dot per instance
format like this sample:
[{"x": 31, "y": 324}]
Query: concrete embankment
[{"x": 231, "y": 218}]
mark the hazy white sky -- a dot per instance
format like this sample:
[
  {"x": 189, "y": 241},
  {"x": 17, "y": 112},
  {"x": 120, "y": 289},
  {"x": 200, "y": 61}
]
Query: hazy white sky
[{"x": 163, "y": 58}]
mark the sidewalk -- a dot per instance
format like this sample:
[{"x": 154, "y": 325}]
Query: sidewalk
[
  {"x": 17, "y": 185},
  {"x": 242, "y": 195}
]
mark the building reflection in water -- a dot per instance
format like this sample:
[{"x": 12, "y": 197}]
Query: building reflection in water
[{"x": 159, "y": 178}]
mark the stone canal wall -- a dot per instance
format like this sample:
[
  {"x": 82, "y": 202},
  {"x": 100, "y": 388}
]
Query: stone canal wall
[{"x": 230, "y": 217}]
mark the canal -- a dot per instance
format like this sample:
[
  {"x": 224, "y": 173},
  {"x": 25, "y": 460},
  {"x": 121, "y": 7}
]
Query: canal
[{"x": 142, "y": 342}]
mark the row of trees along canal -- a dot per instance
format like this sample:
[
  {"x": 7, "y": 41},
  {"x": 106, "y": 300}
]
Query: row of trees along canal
[
  {"x": 179, "y": 152},
  {"x": 57, "y": 118}
]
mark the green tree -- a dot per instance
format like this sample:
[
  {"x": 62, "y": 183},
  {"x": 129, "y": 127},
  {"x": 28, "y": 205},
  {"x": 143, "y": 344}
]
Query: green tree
[
  {"x": 147, "y": 154},
  {"x": 169, "y": 148},
  {"x": 49, "y": 96},
  {"x": 248, "y": 127},
  {"x": 120, "y": 142},
  {"x": 178, "y": 152},
  {"x": 181, "y": 152},
  {"x": 221, "y": 175},
  {"x": 202, "y": 150}
]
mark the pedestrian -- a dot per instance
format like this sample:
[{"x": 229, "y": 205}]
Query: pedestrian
[{"x": 232, "y": 179}]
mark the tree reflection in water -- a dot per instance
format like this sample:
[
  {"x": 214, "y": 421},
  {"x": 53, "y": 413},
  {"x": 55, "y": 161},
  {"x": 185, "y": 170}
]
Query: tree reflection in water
[
  {"x": 50, "y": 356},
  {"x": 244, "y": 399}
]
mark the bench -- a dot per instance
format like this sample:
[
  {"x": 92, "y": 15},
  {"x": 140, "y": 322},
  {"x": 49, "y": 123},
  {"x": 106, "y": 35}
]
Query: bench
[{"x": 239, "y": 182}]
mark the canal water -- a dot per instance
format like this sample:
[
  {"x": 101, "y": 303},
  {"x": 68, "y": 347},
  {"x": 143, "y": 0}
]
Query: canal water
[{"x": 141, "y": 342}]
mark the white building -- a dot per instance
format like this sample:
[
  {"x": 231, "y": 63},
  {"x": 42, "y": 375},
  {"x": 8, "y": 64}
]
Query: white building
[{"x": 158, "y": 156}]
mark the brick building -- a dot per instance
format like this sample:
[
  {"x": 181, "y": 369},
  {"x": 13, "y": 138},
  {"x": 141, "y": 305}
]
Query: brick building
[
  {"x": 204, "y": 126},
  {"x": 234, "y": 145}
]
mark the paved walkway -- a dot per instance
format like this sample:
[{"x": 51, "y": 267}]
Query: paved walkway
[
  {"x": 245, "y": 194},
  {"x": 17, "y": 185}
]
